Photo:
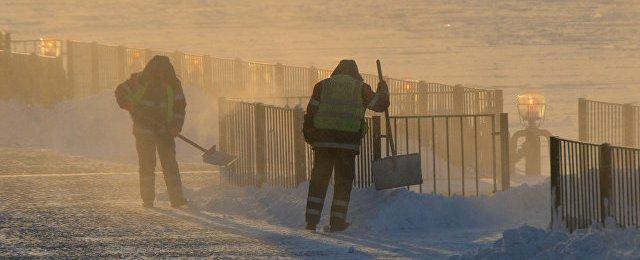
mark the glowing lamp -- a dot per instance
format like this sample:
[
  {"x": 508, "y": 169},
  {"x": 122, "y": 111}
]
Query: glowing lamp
[
  {"x": 50, "y": 47},
  {"x": 135, "y": 54},
  {"x": 531, "y": 108}
]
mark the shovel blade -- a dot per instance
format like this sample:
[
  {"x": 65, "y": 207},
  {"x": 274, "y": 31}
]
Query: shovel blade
[
  {"x": 218, "y": 158},
  {"x": 397, "y": 171}
]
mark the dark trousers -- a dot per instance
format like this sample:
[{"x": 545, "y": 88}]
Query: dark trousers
[
  {"x": 325, "y": 162},
  {"x": 146, "y": 145}
]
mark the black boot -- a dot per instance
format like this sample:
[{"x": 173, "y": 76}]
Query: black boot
[
  {"x": 180, "y": 204},
  {"x": 311, "y": 226},
  {"x": 337, "y": 227}
]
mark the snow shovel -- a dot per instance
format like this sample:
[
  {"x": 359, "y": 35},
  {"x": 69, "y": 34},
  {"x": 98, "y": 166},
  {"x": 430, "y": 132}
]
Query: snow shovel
[
  {"x": 397, "y": 170},
  {"x": 210, "y": 156}
]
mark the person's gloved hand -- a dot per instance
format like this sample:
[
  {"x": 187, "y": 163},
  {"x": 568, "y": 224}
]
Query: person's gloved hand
[
  {"x": 174, "y": 131},
  {"x": 382, "y": 87}
]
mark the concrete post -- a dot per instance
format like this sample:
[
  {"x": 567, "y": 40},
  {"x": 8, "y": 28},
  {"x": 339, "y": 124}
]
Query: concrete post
[
  {"x": 278, "y": 78},
  {"x": 629, "y": 125},
  {"x": 313, "y": 79},
  {"x": 583, "y": 132},
  {"x": 260, "y": 143},
  {"x": 95, "y": 68},
  {"x": 458, "y": 100},
  {"x": 299, "y": 146},
  {"x": 605, "y": 181},
  {"x": 504, "y": 150}
]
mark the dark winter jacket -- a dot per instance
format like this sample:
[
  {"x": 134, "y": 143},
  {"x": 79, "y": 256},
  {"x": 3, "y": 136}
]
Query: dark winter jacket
[
  {"x": 150, "y": 114},
  {"x": 374, "y": 101}
]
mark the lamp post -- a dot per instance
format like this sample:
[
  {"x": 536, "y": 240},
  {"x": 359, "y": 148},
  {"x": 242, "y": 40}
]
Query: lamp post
[{"x": 531, "y": 109}]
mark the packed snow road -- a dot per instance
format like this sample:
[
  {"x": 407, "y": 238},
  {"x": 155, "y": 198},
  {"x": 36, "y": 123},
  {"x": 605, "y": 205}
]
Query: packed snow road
[
  {"x": 99, "y": 215},
  {"x": 56, "y": 205}
]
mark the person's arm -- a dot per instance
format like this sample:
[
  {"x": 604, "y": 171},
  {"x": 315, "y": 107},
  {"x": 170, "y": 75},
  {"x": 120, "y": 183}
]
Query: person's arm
[
  {"x": 121, "y": 95},
  {"x": 376, "y": 101},
  {"x": 312, "y": 108},
  {"x": 179, "y": 106}
]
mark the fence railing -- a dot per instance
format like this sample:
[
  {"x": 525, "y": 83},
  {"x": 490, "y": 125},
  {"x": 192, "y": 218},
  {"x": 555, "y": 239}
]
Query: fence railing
[
  {"x": 591, "y": 183},
  {"x": 270, "y": 146},
  {"x": 93, "y": 67},
  {"x": 431, "y": 99},
  {"x": 462, "y": 154},
  {"x": 617, "y": 124}
]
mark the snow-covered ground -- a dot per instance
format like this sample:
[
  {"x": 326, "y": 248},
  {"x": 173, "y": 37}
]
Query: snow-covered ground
[
  {"x": 562, "y": 49},
  {"x": 98, "y": 214}
]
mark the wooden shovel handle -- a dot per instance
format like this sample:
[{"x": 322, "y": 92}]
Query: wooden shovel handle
[{"x": 389, "y": 135}]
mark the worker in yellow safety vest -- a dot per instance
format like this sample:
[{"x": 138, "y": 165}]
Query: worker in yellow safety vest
[
  {"x": 334, "y": 126},
  {"x": 156, "y": 102}
]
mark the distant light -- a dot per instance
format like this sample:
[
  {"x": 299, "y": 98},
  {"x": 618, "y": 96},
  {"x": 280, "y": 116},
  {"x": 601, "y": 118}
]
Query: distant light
[
  {"x": 49, "y": 47},
  {"x": 135, "y": 55},
  {"x": 531, "y": 108},
  {"x": 447, "y": 25}
]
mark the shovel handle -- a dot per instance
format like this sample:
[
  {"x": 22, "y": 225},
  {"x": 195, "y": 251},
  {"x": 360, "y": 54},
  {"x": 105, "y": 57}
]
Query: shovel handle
[
  {"x": 194, "y": 144},
  {"x": 389, "y": 135}
]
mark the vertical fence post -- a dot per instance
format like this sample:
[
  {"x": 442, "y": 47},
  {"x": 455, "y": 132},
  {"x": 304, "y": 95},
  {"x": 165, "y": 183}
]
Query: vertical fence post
[
  {"x": 583, "y": 134},
  {"x": 628, "y": 124},
  {"x": 179, "y": 64},
  {"x": 122, "y": 63},
  {"x": 70, "y": 68},
  {"x": 423, "y": 97},
  {"x": 313, "y": 78},
  {"x": 207, "y": 75},
  {"x": 299, "y": 146},
  {"x": 238, "y": 76},
  {"x": 279, "y": 79},
  {"x": 260, "y": 143},
  {"x": 148, "y": 54},
  {"x": 497, "y": 101},
  {"x": 95, "y": 68},
  {"x": 377, "y": 136},
  {"x": 222, "y": 124},
  {"x": 504, "y": 150},
  {"x": 605, "y": 181},
  {"x": 222, "y": 134},
  {"x": 556, "y": 193},
  {"x": 458, "y": 100},
  {"x": 5, "y": 41}
]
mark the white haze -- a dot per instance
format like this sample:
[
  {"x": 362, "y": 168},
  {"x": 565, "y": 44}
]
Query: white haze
[{"x": 562, "y": 49}]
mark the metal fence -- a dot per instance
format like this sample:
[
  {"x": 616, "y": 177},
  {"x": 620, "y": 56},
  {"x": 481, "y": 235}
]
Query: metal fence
[
  {"x": 593, "y": 182},
  {"x": 617, "y": 124},
  {"x": 93, "y": 67},
  {"x": 462, "y": 154},
  {"x": 32, "y": 79},
  {"x": 271, "y": 149},
  {"x": 427, "y": 99}
]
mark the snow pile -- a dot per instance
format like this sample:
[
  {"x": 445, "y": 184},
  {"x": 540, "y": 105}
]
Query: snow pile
[
  {"x": 385, "y": 211},
  {"x": 96, "y": 127},
  {"x": 528, "y": 242}
]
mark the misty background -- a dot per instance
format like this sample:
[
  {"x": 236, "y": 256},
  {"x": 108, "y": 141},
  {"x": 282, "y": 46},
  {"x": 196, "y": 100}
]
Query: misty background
[{"x": 561, "y": 49}]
